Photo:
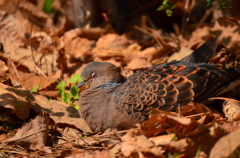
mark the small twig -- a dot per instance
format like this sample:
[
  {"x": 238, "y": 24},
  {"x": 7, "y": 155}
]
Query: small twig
[
  {"x": 111, "y": 133},
  {"x": 34, "y": 61},
  {"x": 28, "y": 135},
  {"x": 200, "y": 114},
  {"x": 149, "y": 33},
  {"x": 186, "y": 14}
]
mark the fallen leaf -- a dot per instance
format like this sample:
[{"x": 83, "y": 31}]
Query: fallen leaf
[
  {"x": 74, "y": 153},
  {"x": 20, "y": 105},
  {"x": 3, "y": 68},
  {"x": 227, "y": 146},
  {"x": 29, "y": 80},
  {"x": 14, "y": 76},
  {"x": 138, "y": 63},
  {"x": 136, "y": 144},
  {"x": 33, "y": 134},
  {"x": 60, "y": 112}
]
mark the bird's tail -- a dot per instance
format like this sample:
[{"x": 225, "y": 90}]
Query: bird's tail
[{"x": 204, "y": 53}]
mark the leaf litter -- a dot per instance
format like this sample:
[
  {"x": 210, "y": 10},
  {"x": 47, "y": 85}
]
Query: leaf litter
[{"x": 43, "y": 49}]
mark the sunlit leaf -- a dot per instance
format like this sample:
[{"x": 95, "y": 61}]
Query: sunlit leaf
[
  {"x": 66, "y": 97},
  {"x": 75, "y": 78},
  {"x": 61, "y": 87}
]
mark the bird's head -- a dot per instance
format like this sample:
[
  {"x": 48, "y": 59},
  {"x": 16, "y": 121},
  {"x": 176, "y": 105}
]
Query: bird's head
[{"x": 96, "y": 74}]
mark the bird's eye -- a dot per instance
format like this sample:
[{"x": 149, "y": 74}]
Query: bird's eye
[{"x": 94, "y": 75}]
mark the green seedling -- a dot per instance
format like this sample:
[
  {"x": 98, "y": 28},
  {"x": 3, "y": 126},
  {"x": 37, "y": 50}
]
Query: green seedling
[
  {"x": 223, "y": 4},
  {"x": 71, "y": 95},
  {"x": 47, "y": 6},
  {"x": 167, "y": 6},
  {"x": 35, "y": 89}
]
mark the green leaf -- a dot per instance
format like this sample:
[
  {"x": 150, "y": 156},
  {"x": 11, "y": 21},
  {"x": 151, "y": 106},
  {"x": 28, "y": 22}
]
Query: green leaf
[
  {"x": 169, "y": 12},
  {"x": 66, "y": 97},
  {"x": 165, "y": 2},
  {"x": 198, "y": 151},
  {"x": 74, "y": 92},
  {"x": 160, "y": 8},
  {"x": 174, "y": 6},
  {"x": 167, "y": 5},
  {"x": 210, "y": 2},
  {"x": 75, "y": 78},
  {"x": 61, "y": 87},
  {"x": 47, "y": 6},
  {"x": 77, "y": 107},
  {"x": 35, "y": 88}
]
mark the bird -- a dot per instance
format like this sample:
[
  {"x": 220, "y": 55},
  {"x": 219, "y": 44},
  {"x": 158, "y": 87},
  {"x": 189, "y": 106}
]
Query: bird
[{"x": 111, "y": 101}]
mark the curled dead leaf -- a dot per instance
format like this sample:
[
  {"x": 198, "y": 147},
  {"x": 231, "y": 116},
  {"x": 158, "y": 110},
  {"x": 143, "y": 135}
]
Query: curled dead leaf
[
  {"x": 227, "y": 146},
  {"x": 33, "y": 134},
  {"x": 135, "y": 143},
  {"x": 20, "y": 105},
  {"x": 74, "y": 153}
]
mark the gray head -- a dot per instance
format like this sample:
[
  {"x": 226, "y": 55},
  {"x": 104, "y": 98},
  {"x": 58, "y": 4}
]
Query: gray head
[{"x": 96, "y": 74}]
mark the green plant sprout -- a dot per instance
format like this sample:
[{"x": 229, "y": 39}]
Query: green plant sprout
[
  {"x": 47, "y": 6},
  {"x": 71, "y": 95},
  {"x": 223, "y": 4},
  {"x": 167, "y": 6},
  {"x": 35, "y": 89},
  {"x": 198, "y": 151}
]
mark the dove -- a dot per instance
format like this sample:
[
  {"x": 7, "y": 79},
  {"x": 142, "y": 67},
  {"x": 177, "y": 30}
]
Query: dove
[{"x": 111, "y": 101}]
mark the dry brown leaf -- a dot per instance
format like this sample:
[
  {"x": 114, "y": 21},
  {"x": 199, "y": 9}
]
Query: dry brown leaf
[
  {"x": 231, "y": 109},
  {"x": 8, "y": 6},
  {"x": 184, "y": 126},
  {"x": 208, "y": 118},
  {"x": 35, "y": 15},
  {"x": 49, "y": 93},
  {"x": 3, "y": 68},
  {"x": 3, "y": 137},
  {"x": 197, "y": 36},
  {"x": 113, "y": 45},
  {"x": 136, "y": 144},
  {"x": 231, "y": 126},
  {"x": 74, "y": 45},
  {"x": 4, "y": 75},
  {"x": 194, "y": 109},
  {"x": 11, "y": 100},
  {"x": 60, "y": 112},
  {"x": 138, "y": 63},
  {"x": 87, "y": 141},
  {"x": 71, "y": 134},
  {"x": 162, "y": 140},
  {"x": 33, "y": 134},
  {"x": 226, "y": 29},
  {"x": 199, "y": 142},
  {"x": 13, "y": 73},
  {"x": 12, "y": 31},
  {"x": 90, "y": 33},
  {"x": 227, "y": 146},
  {"x": 29, "y": 81},
  {"x": 75, "y": 153},
  {"x": 184, "y": 51}
]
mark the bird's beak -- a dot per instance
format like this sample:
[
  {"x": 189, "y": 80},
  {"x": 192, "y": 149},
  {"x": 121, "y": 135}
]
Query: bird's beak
[{"x": 81, "y": 84}]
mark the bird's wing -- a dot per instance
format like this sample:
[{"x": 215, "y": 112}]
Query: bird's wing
[
  {"x": 218, "y": 81},
  {"x": 160, "y": 88}
]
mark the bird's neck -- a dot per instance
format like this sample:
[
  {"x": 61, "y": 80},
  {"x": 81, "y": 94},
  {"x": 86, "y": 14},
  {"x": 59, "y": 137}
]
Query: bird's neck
[{"x": 110, "y": 85}]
